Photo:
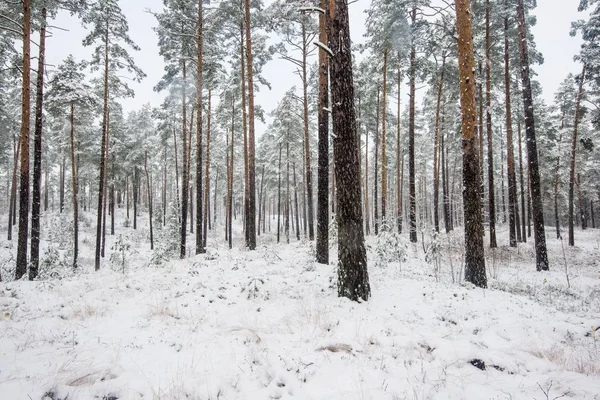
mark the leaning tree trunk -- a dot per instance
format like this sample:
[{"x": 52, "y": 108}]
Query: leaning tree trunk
[
  {"x": 411, "y": 139},
  {"x": 21, "y": 267},
  {"x": 322, "y": 245},
  {"x": 37, "y": 158},
  {"x": 573, "y": 156},
  {"x": 532, "y": 156},
  {"x": 474, "y": 255},
  {"x": 353, "y": 278}
]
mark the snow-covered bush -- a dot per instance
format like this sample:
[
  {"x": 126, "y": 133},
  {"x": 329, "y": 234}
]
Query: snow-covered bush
[
  {"x": 119, "y": 256},
  {"x": 167, "y": 239},
  {"x": 433, "y": 253},
  {"x": 390, "y": 247},
  {"x": 60, "y": 231}
]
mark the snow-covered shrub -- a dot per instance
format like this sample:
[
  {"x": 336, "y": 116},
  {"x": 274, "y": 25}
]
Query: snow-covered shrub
[
  {"x": 52, "y": 264},
  {"x": 390, "y": 247},
  {"x": 433, "y": 254},
  {"x": 119, "y": 256},
  {"x": 167, "y": 239},
  {"x": 333, "y": 231},
  {"x": 60, "y": 231}
]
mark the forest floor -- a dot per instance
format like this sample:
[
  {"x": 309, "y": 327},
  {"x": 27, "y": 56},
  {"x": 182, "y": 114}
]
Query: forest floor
[{"x": 267, "y": 324}]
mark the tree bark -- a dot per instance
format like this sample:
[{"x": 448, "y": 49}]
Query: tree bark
[
  {"x": 149, "y": 189},
  {"x": 383, "y": 140},
  {"x": 296, "y": 201},
  {"x": 75, "y": 183},
  {"x": 474, "y": 254},
  {"x": 490, "y": 135},
  {"x": 207, "y": 169},
  {"x": 199, "y": 82},
  {"x": 573, "y": 156},
  {"x": 376, "y": 167},
  {"x": 322, "y": 245},
  {"x": 37, "y": 158},
  {"x": 353, "y": 278},
  {"x": 436, "y": 172},
  {"x": 251, "y": 217},
  {"x": 411, "y": 138},
  {"x": 184, "y": 169},
  {"x": 399, "y": 160},
  {"x": 537, "y": 206},
  {"x": 279, "y": 196},
  {"x": 13, "y": 189}
]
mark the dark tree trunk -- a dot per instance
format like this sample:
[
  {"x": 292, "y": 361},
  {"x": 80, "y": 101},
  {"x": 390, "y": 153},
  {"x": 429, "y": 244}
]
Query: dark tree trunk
[
  {"x": 149, "y": 189},
  {"x": 532, "y": 155},
  {"x": 307, "y": 166},
  {"x": 207, "y": 170},
  {"x": 185, "y": 181},
  {"x": 231, "y": 165},
  {"x": 573, "y": 157},
  {"x": 245, "y": 131},
  {"x": 251, "y": 217},
  {"x": 523, "y": 209},
  {"x": 75, "y": 183},
  {"x": 136, "y": 184},
  {"x": 592, "y": 214},
  {"x": 296, "y": 202},
  {"x": 353, "y": 278},
  {"x": 260, "y": 198},
  {"x": 383, "y": 140},
  {"x": 399, "y": 161},
  {"x": 37, "y": 158},
  {"x": 490, "y": 135},
  {"x": 279, "y": 196},
  {"x": 474, "y": 255},
  {"x": 436, "y": 172},
  {"x": 556, "y": 182},
  {"x": 13, "y": 190},
  {"x": 199, "y": 82},
  {"x": 411, "y": 138},
  {"x": 322, "y": 245},
  {"x": 103, "y": 147},
  {"x": 367, "y": 209},
  {"x": 513, "y": 218},
  {"x": 376, "y": 169},
  {"x": 287, "y": 189}
]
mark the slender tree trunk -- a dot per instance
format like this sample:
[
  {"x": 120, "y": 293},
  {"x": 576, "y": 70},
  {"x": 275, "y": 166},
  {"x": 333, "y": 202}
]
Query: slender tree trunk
[
  {"x": 279, "y": 196},
  {"x": 523, "y": 209},
  {"x": 573, "y": 156},
  {"x": 513, "y": 221},
  {"x": 260, "y": 198},
  {"x": 592, "y": 214},
  {"x": 296, "y": 201},
  {"x": 231, "y": 165},
  {"x": 376, "y": 167},
  {"x": 538, "y": 216},
  {"x": 446, "y": 201},
  {"x": 37, "y": 158},
  {"x": 207, "y": 168},
  {"x": 184, "y": 170},
  {"x": 399, "y": 159},
  {"x": 436, "y": 172},
  {"x": 322, "y": 246},
  {"x": 474, "y": 254},
  {"x": 251, "y": 218},
  {"x": 103, "y": 146},
  {"x": 556, "y": 183},
  {"x": 136, "y": 179},
  {"x": 353, "y": 278},
  {"x": 46, "y": 184},
  {"x": 367, "y": 209},
  {"x": 384, "y": 191},
  {"x": 490, "y": 135},
  {"x": 287, "y": 190},
  {"x": 13, "y": 190},
  {"x": 308, "y": 179},
  {"x": 199, "y": 82},
  {"x": 411, "y": 138},
  {"x": 75, "y": 183},
  {"x": 149, "y": 189}
]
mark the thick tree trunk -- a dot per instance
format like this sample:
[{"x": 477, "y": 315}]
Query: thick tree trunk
[
  {"x": 538, "y": 211},
  {"x": 474, "y": 255},
  {"x": 322, "y": 245},
  {"x": 36, "y": 200},
  {"x": 436, "y": 172},
  {"x": 490, "y": 135},
  {"x": 251, "y": 217},
  {"x": 353, "y": 278},
  {"x": 411, "y": 138},
  {"x": 573, "y": 156}
]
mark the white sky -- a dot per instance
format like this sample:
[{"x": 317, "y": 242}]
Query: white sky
[{"x": 551, "y": 34}]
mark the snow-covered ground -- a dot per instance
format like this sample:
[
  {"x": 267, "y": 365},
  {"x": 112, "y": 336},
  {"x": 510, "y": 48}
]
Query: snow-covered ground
[{"x": 268, "y": 324}]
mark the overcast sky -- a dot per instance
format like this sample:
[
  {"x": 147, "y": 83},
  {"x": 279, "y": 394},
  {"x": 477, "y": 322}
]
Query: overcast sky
[{"x": 551, "y": 34}]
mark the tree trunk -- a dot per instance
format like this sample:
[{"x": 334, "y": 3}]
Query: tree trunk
[
  {"x": 13, "y": 190},
  {"x": 296, "y": 202},
  {"x": 411, "y": 138},
  {"x": 322, "y": 245},
  {"x": 523, "y": 209},
  {"x": 367, "y": 209},
  {"x": 287, "y": 190},
  {"x": 184, "y": 169},
  {"x": 376, "y": 167},
  {"x": 353, "y": 278},
  {"x": 383, "y": 140},
  {"x": 538, "y": 211},
  {"x": 513, "y": 218},
  {"x": 199, "y": 82},
  {"x": 573, "y": 156},
  {"x": 436, "y": 172},
  {"x": 260, "y": 198},
  {"x": 75, "y": 183},
  {"x": 148, "y": 186},
  {"x": 279, "y": 196},
  {"x": 490, "y": 135},
  {"x": 231, "y": 165},
  {"x": 399, "y": 160},
  {"x": 474, "y": 255},
  {"x": 207, "y": 169},
  {"x": 136, "y": 179},
  {"x": 103, "y": 146},
  {"x": 37, "y": 158},
  {"x": 251, "y": 217},
  {"x": 308, "y": 178},
  {"x": 556, "y": 182}
]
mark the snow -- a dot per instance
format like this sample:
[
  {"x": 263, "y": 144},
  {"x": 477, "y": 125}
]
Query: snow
[{"x": 267, "y": 324}]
